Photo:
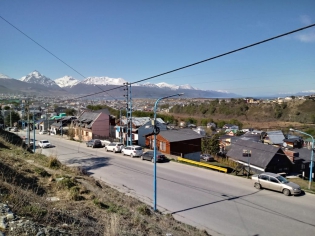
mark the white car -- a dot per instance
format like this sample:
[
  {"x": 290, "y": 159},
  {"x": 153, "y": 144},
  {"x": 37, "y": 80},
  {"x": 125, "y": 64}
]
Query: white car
[
  {"x": 43, "y": 132},
  {"x": 133, "y": 151},
  {"x": 44, "y": 144},
  {"x": 114, "y": 147}
]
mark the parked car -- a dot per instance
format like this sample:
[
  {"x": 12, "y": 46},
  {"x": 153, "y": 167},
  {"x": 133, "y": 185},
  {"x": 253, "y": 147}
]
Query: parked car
[
  {"x": 31, "y": 141},
  {"x": 94, "y": 143},
  {"x": 114, "y": 147},
  {"x": 149, "y": 155},
  {"x": 44, "y": 144},
  {"x": 206, "y": 157},
  {"x": 43, "y": 132},
  {"x": 133, "y": 151},
  {"x": 8, "y": 129},
  {"x": 15, "y": 129},
  {"x": 276, "y": 182}
]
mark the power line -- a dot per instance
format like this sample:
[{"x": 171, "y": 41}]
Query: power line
[
  {"x": 50, "y": 52},
  {"x": 212, "y": 58}
]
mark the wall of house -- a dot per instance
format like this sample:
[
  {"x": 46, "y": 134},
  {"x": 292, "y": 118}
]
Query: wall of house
[
  {"x": 146, "y": 129},
  {"x": 190, "y": 149},
  {"x": 279, "y": 163},
  {"x": 82, "y": 134},
  {"x": 101, "y": 127}
]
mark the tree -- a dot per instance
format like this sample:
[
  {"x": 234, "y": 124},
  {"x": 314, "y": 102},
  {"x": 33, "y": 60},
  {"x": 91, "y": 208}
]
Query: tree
[
  {"x": 11, "y": 119},
  {"x": 211, "y": 145}
]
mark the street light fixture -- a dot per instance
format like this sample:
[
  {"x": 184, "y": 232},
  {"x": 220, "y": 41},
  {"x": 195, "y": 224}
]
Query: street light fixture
[
  {"x": 312, "y": 155},
  {"x": 154, "y": 144}
]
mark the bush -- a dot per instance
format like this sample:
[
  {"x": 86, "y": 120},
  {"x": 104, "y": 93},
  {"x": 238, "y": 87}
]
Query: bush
[{"x": 54, "y": 163}]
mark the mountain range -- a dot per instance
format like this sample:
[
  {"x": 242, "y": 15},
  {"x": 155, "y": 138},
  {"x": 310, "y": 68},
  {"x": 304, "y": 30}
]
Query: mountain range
[{"x": 36, "y": 83}]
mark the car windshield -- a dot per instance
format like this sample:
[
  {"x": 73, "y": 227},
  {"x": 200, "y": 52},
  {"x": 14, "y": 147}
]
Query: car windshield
[
  {"x": 138, "y": 148},
  {"x": 45, "y": 142},
  {"x": 282, "y": 179}
]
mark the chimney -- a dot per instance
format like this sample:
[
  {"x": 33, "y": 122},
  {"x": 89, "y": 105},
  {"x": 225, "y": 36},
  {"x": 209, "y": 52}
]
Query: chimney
[{"x": 291, "y": 154}]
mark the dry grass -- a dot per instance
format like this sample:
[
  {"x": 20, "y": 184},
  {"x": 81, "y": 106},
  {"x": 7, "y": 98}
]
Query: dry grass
[{"x": 86, "y": 206}]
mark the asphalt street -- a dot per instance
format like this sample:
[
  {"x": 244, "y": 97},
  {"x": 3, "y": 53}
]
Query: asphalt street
[{"x": 220, "y": 203}]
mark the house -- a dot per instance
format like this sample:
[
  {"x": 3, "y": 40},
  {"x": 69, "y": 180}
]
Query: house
[
  {"x": 147, "y": 128},
  {"x": 182, "y": 142},
  {"x": 60, "y": 125},
  {"x": 262, "y": 158},
  {"x": 200, "y": 131},
  {"x": 211, "y": 125},
  {"x": 301, "y": 157},
  {"x": 230, "y": 126},
  {"x": 275, "y": 137},
  {"x": 293, "y": 141},
  {"x": 93, "y": 125},
  {"x": 137, "y": 122}
]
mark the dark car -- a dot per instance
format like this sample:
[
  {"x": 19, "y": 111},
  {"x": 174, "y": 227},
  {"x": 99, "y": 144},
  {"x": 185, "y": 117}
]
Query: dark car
[
  {"x": 94, "y": 143},
  {"x": 206, "y": 157},
  {"x": 149, "y": 155}
]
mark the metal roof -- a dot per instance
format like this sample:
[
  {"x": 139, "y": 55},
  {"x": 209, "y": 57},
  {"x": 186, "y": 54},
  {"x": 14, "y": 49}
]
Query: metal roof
[
  {"x": 275, "y": 137},
  {"x": 139, "y": 121},
  {"x": 261, "y": 154},
  {"x": 180, "y": 135}
]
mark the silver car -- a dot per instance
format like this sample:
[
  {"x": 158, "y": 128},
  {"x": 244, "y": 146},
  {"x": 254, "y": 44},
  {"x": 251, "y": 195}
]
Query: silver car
[{"x": 276, "y": 182}]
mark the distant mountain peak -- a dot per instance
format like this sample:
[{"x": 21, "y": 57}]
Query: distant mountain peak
[
  {"x": 66, "y": 81},
  {"x": 103, "y": 81},
  {"x": 3, "y": 76},
  {"x": 37, "y": 78}
]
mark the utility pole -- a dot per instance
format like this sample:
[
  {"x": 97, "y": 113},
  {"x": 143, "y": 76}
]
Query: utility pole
[
  {"x": 10, "y": 117},
  {"x": 248, "y": 154},
  {"x": 120, "y": 130},
  {"x": 130, "y": 115},
  {"x": 34, "y": 146},
  {"x": 28, "y": 124},
  {"x": 127, "y": 113}
]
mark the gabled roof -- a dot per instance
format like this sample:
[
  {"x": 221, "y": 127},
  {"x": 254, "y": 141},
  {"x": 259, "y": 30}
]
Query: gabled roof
[
  {"x": 261, "y": 154},
  {"x": 139, "y": 121},
  {"x": 304, "y": 154},
  {"x": 275, "y": 137},
  {"x": 180, "y": 135},
  {"x": 88, "y": 116}
]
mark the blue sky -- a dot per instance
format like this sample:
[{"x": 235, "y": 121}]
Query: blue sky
[{"x": 137, "y": 39}]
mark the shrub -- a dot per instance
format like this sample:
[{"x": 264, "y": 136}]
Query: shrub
[{"x": 54, "y": 163}]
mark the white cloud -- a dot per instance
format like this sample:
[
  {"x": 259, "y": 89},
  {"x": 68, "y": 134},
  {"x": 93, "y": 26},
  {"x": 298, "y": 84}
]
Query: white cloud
[
  {"x": 306, "y": 20},
  {"x": 306, "y": 37}
]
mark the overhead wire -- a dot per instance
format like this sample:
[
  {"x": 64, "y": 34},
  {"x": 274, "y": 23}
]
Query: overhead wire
[
  {"x": 161, "y": 74},
  {"x": 58, "y": 58},
  {"x": 212, "y": 58}
]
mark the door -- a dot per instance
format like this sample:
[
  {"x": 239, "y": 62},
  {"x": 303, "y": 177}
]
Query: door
[
  {"x": 274, "y": 184},
  {"x": 264, "y": 181}
]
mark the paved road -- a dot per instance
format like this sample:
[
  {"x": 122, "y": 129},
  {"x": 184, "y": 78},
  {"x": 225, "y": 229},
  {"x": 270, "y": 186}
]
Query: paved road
[{"x": 220, "y": 203}]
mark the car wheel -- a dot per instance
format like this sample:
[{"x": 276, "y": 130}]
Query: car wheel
[
  {"x": 286, "y": 192},
  {"x": 131, "y": 156},
  {"x": 106, "y": 149},
  {"x": 257, "y": 186}
]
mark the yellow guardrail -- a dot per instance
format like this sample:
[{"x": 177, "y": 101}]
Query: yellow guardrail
[{"x": 203, "y": 164}]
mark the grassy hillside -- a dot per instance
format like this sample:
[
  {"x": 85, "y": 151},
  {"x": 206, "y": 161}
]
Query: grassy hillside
[
  {"x": 85, "y": 206},
  {"x": 296, "y": 111}
]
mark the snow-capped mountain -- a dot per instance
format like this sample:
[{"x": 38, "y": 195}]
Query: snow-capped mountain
[
  {"x": 66, "y": 81},
  {"x": 149, "y": 85},
  {"x": 186, "y": 86},
  {"x": 103, "y": 81},
  {"x": 2, "y": 76},
  {"x": 36, "y": 78},
  {"x": 166, "y": 85}
]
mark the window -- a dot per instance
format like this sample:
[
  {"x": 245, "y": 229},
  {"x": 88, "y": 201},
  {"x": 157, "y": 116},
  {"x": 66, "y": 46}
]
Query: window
[
  {"x": 162, "y": 146},
  {"x": 274, "y": 180},
  {"x": 86, "y": 133},
  {"x": 264, "y": 177}
]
